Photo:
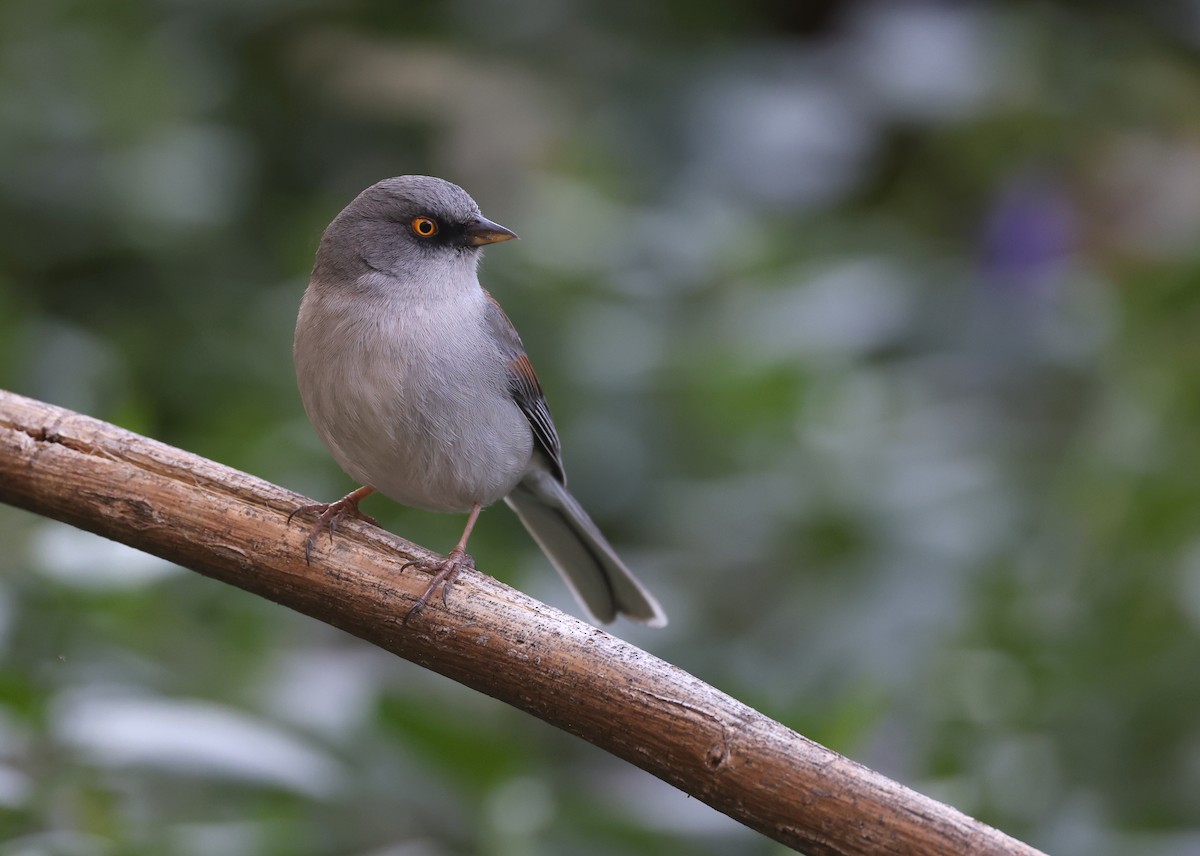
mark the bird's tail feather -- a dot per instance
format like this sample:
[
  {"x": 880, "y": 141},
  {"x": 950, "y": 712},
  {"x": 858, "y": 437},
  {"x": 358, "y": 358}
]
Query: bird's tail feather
[{"x": 574, "y": 545}]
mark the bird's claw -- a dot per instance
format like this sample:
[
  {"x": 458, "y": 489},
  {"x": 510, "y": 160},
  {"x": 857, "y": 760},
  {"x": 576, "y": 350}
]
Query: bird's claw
[
  {"x": 444, "y": 571},
  {"x": 328, "y": 517}
]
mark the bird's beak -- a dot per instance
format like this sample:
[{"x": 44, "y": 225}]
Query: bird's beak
[{"x": 484, "y": 231}]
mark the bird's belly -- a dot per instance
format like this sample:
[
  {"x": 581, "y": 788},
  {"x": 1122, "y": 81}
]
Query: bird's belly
[
  {"x": 417, "y": 471},
  {"x": 463, "y": 455},
  {"x": 426, "y": 433}
]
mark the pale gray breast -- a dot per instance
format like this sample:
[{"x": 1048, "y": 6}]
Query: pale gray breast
[{"x": 412, "y": 399}]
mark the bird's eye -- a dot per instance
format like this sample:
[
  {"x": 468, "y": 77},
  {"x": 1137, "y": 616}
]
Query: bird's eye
[{"x": 424, "y": 227}]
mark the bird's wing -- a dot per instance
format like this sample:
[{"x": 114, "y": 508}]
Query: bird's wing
[{"x": 525, "y": 389}]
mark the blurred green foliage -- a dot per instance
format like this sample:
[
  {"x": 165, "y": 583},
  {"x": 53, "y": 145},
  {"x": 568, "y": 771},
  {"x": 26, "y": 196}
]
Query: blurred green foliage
[{"x": 870, "y": 331}]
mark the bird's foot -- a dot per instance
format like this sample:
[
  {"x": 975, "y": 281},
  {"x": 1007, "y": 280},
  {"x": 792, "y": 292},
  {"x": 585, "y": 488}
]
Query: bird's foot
[
  {"x": 329, "y": 515},
  {"x": 444, "y": 571}
]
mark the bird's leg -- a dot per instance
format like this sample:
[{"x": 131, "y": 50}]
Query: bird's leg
[
  {"x": 445, "y": 571},
  {"x": 329, "y": 515}
]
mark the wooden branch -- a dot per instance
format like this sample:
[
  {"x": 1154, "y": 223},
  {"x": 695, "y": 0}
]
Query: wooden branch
[{"x": 231, "y": 526}]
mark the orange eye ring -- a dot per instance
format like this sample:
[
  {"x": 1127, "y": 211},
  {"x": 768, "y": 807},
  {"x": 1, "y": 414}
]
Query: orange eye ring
[{"x": 424, "y": 227}]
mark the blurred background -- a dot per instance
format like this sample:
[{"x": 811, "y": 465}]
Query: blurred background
[{"x": 871, "y": 329}]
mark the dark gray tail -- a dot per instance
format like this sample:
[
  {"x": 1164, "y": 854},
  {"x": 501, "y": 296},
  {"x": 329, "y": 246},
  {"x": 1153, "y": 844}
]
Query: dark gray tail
[{"x": 574, "y": 545}]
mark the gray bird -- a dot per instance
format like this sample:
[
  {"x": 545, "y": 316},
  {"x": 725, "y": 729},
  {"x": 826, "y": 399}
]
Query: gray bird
[{"x": 420, "y": 388}]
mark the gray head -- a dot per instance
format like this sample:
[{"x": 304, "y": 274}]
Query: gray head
[{"x": 411, "y": 226}]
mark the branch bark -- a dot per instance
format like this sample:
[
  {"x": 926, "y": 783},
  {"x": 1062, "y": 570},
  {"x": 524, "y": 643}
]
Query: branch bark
[{"x": 231, "y": 526}]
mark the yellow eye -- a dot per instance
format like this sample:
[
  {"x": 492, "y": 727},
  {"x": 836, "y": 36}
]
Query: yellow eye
[{"x": 423, "y": 227}]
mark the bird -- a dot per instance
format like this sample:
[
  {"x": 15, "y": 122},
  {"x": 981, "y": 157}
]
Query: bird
[{"x": 420, "y": 388}]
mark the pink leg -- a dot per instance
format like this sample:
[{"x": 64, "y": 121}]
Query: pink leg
[
  {"x": 448, "y": 569},
  {"x": 329, "y": 515}
]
